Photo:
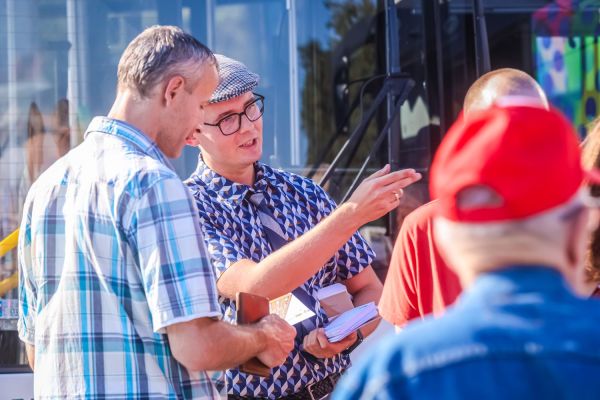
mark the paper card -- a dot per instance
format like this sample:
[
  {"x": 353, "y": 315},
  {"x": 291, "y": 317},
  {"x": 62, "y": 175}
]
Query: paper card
[
  {"x": 350, "y": 321},
  {"x": 334, "y": 300},
  {"x": 290, "y": 309}
]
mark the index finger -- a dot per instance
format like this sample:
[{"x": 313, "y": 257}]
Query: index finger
[
  {"x": 410, "y": 175},
  {"x": 383, "y": 171}
]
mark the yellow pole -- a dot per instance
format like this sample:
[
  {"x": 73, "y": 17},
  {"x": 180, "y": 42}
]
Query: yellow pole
[
  {"x": 6, "y": 245},
  {"x": 9, "y": 242},
  {"x": 9, "y": 283}
]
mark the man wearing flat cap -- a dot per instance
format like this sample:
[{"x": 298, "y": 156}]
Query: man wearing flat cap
[
  {"x": 117, "y": 297},
  {"x": 513, "y": 220},
  {"x": 267, "y": 233}
]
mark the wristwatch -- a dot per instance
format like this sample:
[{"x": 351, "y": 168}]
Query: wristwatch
[{"x": 359, "y": 339}]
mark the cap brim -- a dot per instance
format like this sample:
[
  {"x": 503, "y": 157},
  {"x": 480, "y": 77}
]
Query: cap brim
[{"x": 593, "y": 176}]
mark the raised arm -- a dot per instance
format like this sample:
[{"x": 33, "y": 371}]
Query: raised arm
[{"x": 287, "y": 268}]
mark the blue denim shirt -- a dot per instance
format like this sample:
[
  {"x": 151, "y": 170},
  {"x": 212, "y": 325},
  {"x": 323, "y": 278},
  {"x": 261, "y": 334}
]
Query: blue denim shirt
[{"x": 518, "y": 333}]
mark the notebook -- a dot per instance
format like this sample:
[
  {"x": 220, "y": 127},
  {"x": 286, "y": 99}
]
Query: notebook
[
  {"x": 350, "y": 321},
  {"x": 250, "y": 309}
]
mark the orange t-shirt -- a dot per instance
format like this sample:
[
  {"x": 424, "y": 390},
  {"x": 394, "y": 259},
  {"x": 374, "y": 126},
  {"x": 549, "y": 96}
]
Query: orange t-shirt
[{"x": 418, "y": 281}]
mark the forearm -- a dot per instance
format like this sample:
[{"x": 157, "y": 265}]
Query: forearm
[
  {"x": 214, "y": 345},
  {"x": 30, "y": 350},
  {"x": 364, "y": 298},
  {"x": 365, "y": 288},
  {"x": 287, "y": 268}
]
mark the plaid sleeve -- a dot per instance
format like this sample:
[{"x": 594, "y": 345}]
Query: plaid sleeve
[
  {"x": 178, "y": 279},
  {"x": 27, "y": 289},
  {"x": 356, "y": 254}
]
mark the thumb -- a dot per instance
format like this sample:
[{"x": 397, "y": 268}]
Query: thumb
[{"x": 321, "y": 338}]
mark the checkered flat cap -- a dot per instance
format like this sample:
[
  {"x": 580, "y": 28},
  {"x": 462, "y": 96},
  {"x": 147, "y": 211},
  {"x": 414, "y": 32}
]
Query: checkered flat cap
[{"x": 235, "y": 79}]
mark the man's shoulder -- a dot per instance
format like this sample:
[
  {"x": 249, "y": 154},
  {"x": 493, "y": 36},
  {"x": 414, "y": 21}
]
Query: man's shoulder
[
  {"x": 473, "y": 329},
  {"x": 421, "y": 217},
  {"x": 118, "y": 165},
  {"x": 484, "y": 340},
  {"x": 285, "y": 177}
]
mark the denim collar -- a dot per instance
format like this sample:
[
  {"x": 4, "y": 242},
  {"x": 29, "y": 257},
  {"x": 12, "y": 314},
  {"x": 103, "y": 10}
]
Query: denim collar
[{"x": 504, "y": 284}]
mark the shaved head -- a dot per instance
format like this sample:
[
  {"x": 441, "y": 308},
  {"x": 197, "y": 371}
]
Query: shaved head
[{"x": 505, "y": 82}]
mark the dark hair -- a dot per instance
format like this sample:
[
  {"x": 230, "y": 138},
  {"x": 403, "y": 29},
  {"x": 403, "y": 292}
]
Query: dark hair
[
  {"x": 35, "y": 121},
  {"x": 159, "y": 53}
]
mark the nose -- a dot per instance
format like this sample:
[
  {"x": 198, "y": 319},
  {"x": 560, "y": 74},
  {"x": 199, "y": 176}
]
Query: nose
[
  {"x": 200, "y": 120},
  {"x": 201, "y": 115},
  {"x": 246, "y": 124}
]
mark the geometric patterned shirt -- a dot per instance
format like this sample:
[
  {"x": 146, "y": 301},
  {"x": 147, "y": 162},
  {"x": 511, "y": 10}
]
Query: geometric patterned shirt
[
  {"x": 233, "y": 231},
  {"x": 110, "y": 254}
]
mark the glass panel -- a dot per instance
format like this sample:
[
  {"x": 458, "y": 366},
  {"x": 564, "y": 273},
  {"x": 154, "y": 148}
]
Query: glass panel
[
  {"x": 567, "y": 59},
  {"x": 337, "y": 56},
  {"x": 58, "y": 62},
  {"x": 261, "y": 41},
  {"x": 554, "y": 41},
  {"x": 342, "y": 63},
  {"x": 321, "y": 62}
]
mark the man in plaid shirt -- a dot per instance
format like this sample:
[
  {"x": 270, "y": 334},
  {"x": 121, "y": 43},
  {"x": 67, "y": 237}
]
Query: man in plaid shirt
[{"x": 117, "y": 296}]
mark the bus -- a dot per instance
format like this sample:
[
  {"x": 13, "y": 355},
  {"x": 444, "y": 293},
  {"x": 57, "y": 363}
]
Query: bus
[{"x": 349, "y": 85}]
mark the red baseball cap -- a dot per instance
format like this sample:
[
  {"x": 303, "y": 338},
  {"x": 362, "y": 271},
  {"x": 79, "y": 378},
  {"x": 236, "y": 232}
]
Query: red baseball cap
[{"x": 529, "y": 157}]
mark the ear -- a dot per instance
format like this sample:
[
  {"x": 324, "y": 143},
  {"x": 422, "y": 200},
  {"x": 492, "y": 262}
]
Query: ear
[
  {"x": 194, "y": 138},
  {"x": 579, "y": 238},
  {"x": 175, "y": 86}
]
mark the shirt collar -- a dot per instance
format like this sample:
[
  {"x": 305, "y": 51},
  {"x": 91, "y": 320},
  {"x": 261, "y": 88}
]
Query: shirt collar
[
  {"x": 130, "y": 133},
  {"x": 231, "y": 191},
  {"x": 512, "y": 280}
]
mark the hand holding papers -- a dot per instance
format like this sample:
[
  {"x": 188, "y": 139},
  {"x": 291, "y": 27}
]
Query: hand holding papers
[
  {"x": 350, "y": 321},
  {"x": 344, "y": 318}
]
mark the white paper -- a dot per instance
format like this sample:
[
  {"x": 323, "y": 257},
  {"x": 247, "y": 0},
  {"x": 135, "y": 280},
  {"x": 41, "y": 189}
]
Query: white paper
[
  {"x": 294, "y": 310},
  {"x": 331, "y": 290},
  {"x": 350, "y": 321},
  {"x": 297, "y": 312}
]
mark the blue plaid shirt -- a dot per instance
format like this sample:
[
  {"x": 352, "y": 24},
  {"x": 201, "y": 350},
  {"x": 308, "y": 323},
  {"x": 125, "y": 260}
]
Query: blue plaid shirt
[
  {"x": 233, "y": 231},
  {"x": 110, "y": 253}
]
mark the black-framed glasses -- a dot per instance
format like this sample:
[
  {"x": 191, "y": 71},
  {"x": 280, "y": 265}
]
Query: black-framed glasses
[{"x": 230, "y": 124}]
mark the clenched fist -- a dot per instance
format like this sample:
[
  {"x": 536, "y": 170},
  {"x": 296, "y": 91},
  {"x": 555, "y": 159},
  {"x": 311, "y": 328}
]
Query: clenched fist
[{"x": 279, "y": 340}]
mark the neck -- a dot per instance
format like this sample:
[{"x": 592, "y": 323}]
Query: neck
[
  {"x": 128, "y": 107},
  {"x": 589, "y": 287},
  {"x": 241, "y": 174},
  {"x": 486, "y": 256}
]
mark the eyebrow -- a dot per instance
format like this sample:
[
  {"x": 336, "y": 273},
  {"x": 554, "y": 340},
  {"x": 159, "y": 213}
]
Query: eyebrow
[{"x": 231, "y": 112}]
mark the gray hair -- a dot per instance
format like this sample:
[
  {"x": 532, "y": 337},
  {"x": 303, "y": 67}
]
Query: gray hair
[
  {"x": 159, "y": 53},
  {"x": 541, "y": 238}
]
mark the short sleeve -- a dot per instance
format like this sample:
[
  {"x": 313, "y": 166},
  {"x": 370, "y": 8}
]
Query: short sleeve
[
  {"x": 27, "y": 287},
  {"x": 178, "y": 279},
  {"x": 398, "y": 303},
  {"x": 356, "y": 254}
]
